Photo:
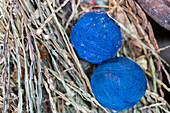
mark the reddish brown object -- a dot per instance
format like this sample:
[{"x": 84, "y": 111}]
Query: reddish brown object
[{"x": 159, "y": 10}]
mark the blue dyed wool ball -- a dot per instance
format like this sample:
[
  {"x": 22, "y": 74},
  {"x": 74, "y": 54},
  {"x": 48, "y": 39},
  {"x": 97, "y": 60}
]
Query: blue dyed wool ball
[
  {"x": 118, "y": 83},
  {"x": 96, "y": 37}
]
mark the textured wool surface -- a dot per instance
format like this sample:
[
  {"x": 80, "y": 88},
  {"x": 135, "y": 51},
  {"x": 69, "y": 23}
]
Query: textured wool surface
[
  {"x": 118, "y": 83},
  {"x": 96, "y": 37}
]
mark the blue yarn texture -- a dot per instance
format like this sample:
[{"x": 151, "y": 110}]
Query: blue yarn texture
[
  {"x": 118, "y": 83},
  {"x": 96, "y": 37}
]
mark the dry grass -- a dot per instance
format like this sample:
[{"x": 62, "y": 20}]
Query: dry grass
[{"x": 40, "y": 71}]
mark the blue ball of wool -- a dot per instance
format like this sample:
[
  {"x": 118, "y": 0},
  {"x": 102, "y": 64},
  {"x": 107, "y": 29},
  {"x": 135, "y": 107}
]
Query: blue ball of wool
[
  {"x": 118, "y": 83},
  {"x": 96, "y": 37}
]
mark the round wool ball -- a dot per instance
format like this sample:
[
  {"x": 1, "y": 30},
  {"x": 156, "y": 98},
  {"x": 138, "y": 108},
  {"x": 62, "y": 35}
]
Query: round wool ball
[
  {"x": 96, "y": 37},
  {"x": 118, "y": 83}
]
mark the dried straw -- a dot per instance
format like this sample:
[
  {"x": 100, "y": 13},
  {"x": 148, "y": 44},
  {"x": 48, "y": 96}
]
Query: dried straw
[{"x": 41, "y": 72}]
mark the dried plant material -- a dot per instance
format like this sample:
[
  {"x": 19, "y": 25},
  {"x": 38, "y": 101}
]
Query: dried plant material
[
  {"x": 43, "y": 52},
  {"x": 35, "y": 44},
  {"x": 142, "y": 63},
  {"x": 15, "y": 75}
]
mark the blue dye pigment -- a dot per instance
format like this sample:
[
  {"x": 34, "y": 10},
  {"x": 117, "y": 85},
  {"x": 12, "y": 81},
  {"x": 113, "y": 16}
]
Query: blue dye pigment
[
  {"x": 118, "y": 83},
  {"x": 96, "y": 37}
]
